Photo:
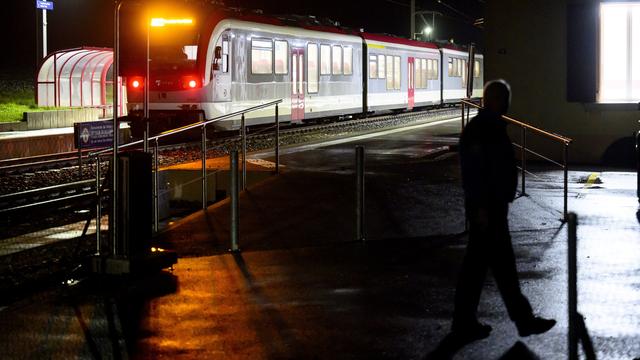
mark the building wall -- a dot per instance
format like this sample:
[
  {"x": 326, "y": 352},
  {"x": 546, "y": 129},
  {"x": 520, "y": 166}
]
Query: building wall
[{"x": 526, "y": 45}]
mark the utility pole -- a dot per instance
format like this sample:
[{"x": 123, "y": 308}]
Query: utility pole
[
  {"x": 44, "y": 6},
  {"x": 413, "y": 20}
]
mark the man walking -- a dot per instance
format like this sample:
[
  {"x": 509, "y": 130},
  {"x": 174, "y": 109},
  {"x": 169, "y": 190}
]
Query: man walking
[{"x": 489, "y": 179}]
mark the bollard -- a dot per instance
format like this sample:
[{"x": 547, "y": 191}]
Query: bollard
[
  {"x": 98, "y": 203},
  {"x": 572, "y": 286},
  {"x": 235, "y": 221},
  {"x": 523, "y": 157},
  {"x": 462, "y": 118},
  {"x": 244, "y": 153},
  {"x": 638, "y": 165},
  {"x": 360, "y": 233},
  {"x": 277, "y": 142},
  {"x": 156, "y": 215},
  {"x": 566, "y": 180},
  {"x": 204, "y": 167}
]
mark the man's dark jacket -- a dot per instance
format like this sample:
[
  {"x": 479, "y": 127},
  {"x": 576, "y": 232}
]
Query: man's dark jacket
[{"x": 489, "y": 172}]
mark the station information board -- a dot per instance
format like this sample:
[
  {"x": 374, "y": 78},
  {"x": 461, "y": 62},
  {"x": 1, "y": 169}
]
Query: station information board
[
  {"x": 44, "y": 5},
  {"x": 93, "y": 134}
]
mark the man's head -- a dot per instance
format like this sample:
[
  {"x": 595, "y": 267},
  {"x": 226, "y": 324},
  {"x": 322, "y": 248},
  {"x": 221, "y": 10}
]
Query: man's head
[{"x": 497, "y": 96}]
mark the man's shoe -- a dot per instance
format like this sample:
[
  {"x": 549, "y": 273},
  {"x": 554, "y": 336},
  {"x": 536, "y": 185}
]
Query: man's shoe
[
  {"x": 534, "y": 325},
  {"x": 471, "y": 332}
]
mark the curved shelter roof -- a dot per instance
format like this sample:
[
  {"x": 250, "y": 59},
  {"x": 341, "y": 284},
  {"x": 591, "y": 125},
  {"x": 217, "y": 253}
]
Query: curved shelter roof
[{"x": 79, "y": 77}]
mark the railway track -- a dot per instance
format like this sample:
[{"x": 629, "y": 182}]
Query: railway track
[{"x": 58, "y": 196}]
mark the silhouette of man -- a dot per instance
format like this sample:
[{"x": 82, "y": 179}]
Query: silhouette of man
[{"x": 489, "y": 180}]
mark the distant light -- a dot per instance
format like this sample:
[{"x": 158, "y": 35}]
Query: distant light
[
  {"x": 159, "y": 22},
  {"x": 427, "y": 30},
  {"x": 192, "y": 84}
]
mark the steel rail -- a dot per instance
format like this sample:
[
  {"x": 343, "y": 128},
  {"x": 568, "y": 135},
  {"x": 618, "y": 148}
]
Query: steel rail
[{"x": 48, "y": 189}]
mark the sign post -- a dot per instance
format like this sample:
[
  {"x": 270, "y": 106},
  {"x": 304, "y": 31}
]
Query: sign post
[{"x": 45, "y": 6}]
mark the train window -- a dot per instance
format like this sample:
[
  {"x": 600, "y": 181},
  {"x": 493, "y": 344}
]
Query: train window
[
  {"x": 282, "y": 57},
  {"x": 261, "y": 56},
  {"x": 381, "y": 68},
  {"x": 476, "y": 69},
  {"x": 430, "y": 69},
  {"x": 225, "y": 56},
  {"x": 348, "y": 61},
  {"x": 396, "y": 72},
  {"x": 435, "y": 69},
  {"x": 389, "y": 72},
  {"x": 312, "y": 68},
  {"x": 373, "y": 66},
  {"x": 450, "y": 64},
  {"x": 336, "y": 69},
  {"x": 417, "y": 73},
  {"x": 460, "y": 66},
  {"x": 294, "y": 74},
  {"x": 325, "y": 60},
  {"x": 424, "y": 76}
]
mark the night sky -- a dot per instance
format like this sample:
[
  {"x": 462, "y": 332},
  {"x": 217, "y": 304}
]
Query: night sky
[{"x": 75, "y": 23}]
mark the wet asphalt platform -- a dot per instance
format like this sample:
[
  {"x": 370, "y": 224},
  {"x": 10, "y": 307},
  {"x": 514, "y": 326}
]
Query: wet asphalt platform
[{"x": 303, "y": 288}]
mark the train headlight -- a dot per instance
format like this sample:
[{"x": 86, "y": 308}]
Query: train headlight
[
  {"x": 135, "y": 84},
  {"x": 192, "y": 84}
]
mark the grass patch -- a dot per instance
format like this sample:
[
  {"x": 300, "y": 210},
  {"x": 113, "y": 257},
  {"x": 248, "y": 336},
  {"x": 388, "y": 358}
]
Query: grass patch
[{"x": 16, "y": 97}]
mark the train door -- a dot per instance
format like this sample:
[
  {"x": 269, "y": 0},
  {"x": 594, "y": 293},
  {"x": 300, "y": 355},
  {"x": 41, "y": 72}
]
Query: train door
[
  {"x": 411, "y": 82},
  {"x": 297, "y": 84},
  {"x": 220, "y": 70}
]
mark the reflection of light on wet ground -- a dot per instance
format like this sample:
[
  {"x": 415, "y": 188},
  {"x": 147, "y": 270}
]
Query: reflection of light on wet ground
[{"x": 609, "y": 295}]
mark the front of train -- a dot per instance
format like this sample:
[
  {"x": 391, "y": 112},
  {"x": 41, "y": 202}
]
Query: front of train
[{"x": 176, "y": 89}]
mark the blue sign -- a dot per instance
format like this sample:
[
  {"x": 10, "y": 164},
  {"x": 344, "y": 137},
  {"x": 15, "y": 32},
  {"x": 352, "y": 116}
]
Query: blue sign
[
  {"x": 93, "y": 134},
  {"x": 44, "y": 5}
]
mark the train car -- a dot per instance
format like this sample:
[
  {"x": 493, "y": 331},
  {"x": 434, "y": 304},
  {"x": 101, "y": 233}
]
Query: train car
[
  {"x": 243, "y": 61},
  {"x": 401, "y": 73},
  {"x": 230, "y": 61},
  {"x": 455, "y": 77}
]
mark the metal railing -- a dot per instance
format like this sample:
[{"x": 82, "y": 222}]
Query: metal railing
[
  {"x": 467, "y": 104},
  {"x": 202, "y": 125}
]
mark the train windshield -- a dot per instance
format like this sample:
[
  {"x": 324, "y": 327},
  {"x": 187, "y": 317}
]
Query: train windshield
[{"x": 173, "y": 50}]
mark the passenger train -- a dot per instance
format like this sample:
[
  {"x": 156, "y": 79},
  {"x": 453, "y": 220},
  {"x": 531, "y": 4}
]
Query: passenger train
[{"x": 231, "y": 61}]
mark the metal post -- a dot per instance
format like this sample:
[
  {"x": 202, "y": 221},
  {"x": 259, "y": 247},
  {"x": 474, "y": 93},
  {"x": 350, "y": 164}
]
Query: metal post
[
  {"x": 413, "y": 20},
  {"x": 156, "y": 214},
  {"x": 244, "y": 153},
  {"x": 146, "y": 137},
  {"x": 523, "y": 158},
  {"x": 80, "y": 164},
  {"x": 566, "y": 178},
  {"x": 204, "y": 167},
  {"x": 360, "y": 233},
  {"x": 462, "y": 118},
  {"x": 277, "y": 142},
  {"x": 573, "y": 287},
  {"x": 44, "y": 33},
  {"x": 638, "y": 165},
  {"x": 235, "y": 221},
  {"x": 98, "y": 205},
  {"x": 116, "y": 93}
]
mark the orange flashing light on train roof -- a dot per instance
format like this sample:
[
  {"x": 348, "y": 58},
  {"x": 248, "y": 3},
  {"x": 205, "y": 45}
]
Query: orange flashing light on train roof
[{"x": 159, "y": 22}]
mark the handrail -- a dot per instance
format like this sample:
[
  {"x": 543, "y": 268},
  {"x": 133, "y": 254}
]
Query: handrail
[
  {"x": 524, "y": 150},
  {"x": 189, "y": 127},
  {"x": 564, "y": 139}
]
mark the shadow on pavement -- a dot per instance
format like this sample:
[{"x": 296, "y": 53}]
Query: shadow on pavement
[
  {"x": 519, "y": 351},
  {"x": 450, "y": 345}
]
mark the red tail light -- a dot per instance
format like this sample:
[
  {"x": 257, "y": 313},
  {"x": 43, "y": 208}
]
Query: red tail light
[
  {"x": 190, "y": 82},
  {"x": 136, "y": 83}
]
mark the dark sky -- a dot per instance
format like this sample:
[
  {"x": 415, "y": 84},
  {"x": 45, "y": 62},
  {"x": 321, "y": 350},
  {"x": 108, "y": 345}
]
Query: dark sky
[{"x": 75, "y": 23}]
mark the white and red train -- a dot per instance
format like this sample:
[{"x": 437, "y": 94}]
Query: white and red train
[{"x": 229, "y": 62}]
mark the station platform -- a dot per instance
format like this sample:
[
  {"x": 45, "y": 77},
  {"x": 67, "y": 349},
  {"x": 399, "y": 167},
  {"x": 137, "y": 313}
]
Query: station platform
[
  {"x": 302, "y": 287},
  {"x": 18, "y": 144}
]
